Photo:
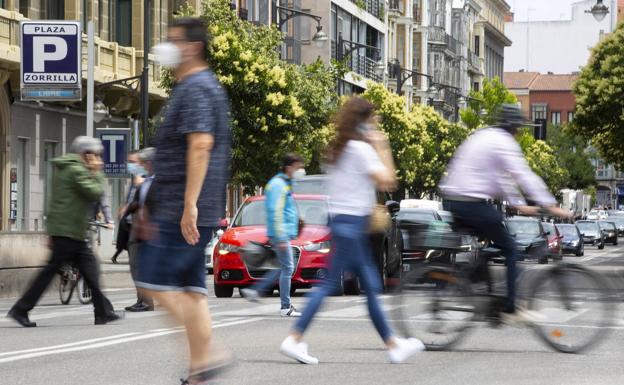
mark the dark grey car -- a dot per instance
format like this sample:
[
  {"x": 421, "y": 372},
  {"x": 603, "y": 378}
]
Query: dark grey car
[
  {"x": 531, "y": 238},
  {"x": 592, "y": 235},
  {"x": 610, "y": 232},
  {"x": 572, "y": 240}
]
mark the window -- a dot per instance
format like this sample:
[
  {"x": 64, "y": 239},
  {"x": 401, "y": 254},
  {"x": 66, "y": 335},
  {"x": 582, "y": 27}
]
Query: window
[
  {"x": 570, "y": 117},
  {"x": 55, "y": 9},
  {"x": 476, "y": 86},
  {"x": 602, "y": 170},
  {"x": 123, "y": 20},
  {"x": 539, "y": 111},
  {"x": 23, "y": 7},
  {"x": 556, "y": 117},
  {"x": 3, "y": 4},
  {"x": 477, "y": 47},
  {"x": 22, "y": 185}
]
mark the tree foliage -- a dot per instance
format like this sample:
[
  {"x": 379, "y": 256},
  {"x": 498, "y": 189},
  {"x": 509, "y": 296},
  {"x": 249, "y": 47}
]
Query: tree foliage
[
  {"x": 276, "y": 107},
  {"x": 599, "y": 93},
  {"x": 570, "y": 151},
  {"x": 484, "y": 104},
  {"x": 543, "y": 161}
]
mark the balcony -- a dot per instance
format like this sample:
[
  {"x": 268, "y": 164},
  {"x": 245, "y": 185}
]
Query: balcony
[
  {"x": 112, "y": 61},
  {"x": 374, "y": 7},
  {"x": 475, "y": 62},
  {"x": 437, "y": 35},
  {"x": 396, "y": 7}
]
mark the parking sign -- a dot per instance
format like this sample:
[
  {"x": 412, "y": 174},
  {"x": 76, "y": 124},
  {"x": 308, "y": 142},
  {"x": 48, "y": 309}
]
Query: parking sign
[
  {"x": 116, "y": 142},
  {"x": 51, "y": 60}
]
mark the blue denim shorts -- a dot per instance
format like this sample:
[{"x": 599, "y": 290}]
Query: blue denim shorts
[{"x": 168, "y": 263}]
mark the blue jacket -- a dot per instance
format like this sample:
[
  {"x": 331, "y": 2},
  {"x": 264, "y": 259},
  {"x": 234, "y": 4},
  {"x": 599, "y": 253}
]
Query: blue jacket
[{"x": 281, "y": 210}]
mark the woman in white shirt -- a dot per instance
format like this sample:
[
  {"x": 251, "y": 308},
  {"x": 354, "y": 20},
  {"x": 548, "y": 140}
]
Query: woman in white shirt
[{"x": 360, "y": 161}]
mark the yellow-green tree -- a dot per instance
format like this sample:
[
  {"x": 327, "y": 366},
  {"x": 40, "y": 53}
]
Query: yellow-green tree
[{"x": 543, "y": 161}]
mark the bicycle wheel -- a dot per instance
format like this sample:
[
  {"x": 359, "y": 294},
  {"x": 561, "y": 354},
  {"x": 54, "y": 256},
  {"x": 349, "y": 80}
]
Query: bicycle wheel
[
  {"x": 84, "y": 292},
  {"x": 573, "y": 306},
  {"x": 434, "y": 305},
  {"x": 66, "y": 288}
]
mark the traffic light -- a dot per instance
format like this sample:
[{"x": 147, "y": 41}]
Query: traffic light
[{"x": 539, "y": 131}]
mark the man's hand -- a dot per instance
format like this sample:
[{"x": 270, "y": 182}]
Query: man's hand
[
  {"x": 188, "y": 225},
  {"x": 109, "y": 226},
  {"x": 93, "y": 162}
]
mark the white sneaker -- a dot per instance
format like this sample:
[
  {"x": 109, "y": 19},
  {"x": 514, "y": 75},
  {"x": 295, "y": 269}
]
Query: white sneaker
[
  {"x": 297, "y": 351},
  {"x": 404, "y": 349},
  {"x": 250, "y": 295},
  {"x": 522, "y": 317},
  {"x": 292, "y": 312}
]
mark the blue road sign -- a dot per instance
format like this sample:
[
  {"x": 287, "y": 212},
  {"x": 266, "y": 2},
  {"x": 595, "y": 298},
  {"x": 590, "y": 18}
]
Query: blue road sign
[
  {"x": 117, "y": 144},
  {"x": 51, "y": 60}
]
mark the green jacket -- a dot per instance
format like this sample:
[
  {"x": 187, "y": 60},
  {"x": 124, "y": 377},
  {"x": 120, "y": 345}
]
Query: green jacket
[{"x": 74, "y": 190}]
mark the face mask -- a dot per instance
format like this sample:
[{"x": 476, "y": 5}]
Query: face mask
[
  {"x": 136, "y": 169},
  {"x": 363, "y": 128},
  {"x": 168, "y": 55},
  {"x": 299, "y": 174}
]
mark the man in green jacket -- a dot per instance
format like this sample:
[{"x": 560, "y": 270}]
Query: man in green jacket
[{"x": 78, "y": 182}]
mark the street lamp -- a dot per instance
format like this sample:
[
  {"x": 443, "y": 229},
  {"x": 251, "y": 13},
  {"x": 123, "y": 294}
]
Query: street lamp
[
  {"x": 402, "y": 75},
  {"x": 599, "y": 10},
  {"x": 100, "y": 111},
  {"x": 352, "y": 46},
  {"x": 319, "y": 38}
]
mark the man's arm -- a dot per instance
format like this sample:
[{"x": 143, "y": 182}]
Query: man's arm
[
  {"x": 199, "y": 146},
  {"x": 275, "y": 201},
  {"x": 90, "y": 183}
]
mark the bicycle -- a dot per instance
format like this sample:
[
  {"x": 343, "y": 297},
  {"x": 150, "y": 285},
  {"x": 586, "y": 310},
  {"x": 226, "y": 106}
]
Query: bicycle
[
  {"x": 71, "y": 277},
  {"x": 440, "y": 303}
]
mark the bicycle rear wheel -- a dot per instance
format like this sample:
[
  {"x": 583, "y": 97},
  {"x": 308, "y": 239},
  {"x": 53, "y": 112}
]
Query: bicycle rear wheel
[
  {"x": 66, "y": 288},
  {"x": 573, "y": 307},
  {"x": 84, "y": 292},
  {"x": 434, "y": 305}
]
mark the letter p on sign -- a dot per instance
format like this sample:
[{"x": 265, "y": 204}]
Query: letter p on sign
[{"x": 40, "y": 56}]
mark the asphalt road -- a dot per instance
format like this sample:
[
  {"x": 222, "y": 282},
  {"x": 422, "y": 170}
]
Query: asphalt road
[{"x": 66, "y": 348}]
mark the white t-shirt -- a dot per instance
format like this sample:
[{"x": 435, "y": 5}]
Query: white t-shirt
[{"x": 351, "y": 186}]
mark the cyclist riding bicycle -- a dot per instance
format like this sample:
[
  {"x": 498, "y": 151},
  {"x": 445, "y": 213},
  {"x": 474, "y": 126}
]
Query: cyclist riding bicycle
[{"x": 490, "y": 165}]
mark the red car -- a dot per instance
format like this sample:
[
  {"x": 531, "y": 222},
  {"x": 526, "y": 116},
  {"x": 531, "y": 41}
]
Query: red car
[
  {"x": 311, "y": 250},
  {"x": 555, "y": 245}
]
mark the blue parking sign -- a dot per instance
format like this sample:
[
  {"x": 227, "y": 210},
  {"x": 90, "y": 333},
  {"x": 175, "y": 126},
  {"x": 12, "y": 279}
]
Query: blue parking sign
[
  {"x": 51, "y": 60},
  {"x": 116, "y": 142}
]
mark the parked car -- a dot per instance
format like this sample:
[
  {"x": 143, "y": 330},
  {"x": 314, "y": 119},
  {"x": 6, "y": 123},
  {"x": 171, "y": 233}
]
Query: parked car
[
  {"x": 610, "y": 232},
  {"x": 597, "y": 215},
  {"x": 531, "y": 238},
  {"x": 592, "y": 235},
  {"x": 619, "y": 223},
  {"x": 210, "y": 250},
  {"x": 400, "y": 251},
  {"x": 555, "y": 244},
  {"x": 311, "y": 250},
  {"x": 572, "y": 241},
  {"x": 311, "y": 185}
]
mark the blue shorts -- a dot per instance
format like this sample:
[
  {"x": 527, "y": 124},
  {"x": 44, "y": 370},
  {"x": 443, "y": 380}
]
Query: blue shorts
[{"x": 168, "y": 263}]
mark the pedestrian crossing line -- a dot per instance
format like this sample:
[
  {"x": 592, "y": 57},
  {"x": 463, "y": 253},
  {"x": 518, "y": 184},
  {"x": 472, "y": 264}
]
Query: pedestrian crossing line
[{"x": 106, "y": 342}]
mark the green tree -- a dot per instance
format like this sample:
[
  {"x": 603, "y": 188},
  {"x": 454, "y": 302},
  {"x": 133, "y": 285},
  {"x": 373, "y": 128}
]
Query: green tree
[
  {"x": 276, "y": 107},
  {"x": 484, "y": 104},
  {"x": 543, "y": 161},
  {"x": 599, "y": 94},
  {"x": 570, "y": 151}
]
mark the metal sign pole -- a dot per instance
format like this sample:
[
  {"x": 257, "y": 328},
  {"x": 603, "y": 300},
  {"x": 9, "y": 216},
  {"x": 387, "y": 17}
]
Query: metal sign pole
[{"x": 90, "y": 79}]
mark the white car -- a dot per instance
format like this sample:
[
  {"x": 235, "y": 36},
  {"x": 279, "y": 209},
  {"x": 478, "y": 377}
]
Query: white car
[
  {"x": 597, "y": 215},
  {"x": 210, "y": 248}
]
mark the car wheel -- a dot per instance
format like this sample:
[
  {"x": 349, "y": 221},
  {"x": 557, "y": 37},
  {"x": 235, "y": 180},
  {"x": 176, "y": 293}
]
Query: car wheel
[
  {"x": 352, "y": 286},
  {"x": 543, "y": 260},
  {"x": 223, "y": 291},
  {"x": 601, "y": 246},
  {"x": 615, "y": 243},
  {"x": 340, "y": 290}
]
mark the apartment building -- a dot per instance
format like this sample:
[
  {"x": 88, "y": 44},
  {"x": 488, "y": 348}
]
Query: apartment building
[{"x": 32, "y": 133}]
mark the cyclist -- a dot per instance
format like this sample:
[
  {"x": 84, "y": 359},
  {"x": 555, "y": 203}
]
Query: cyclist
[{"x": 490, "y": 165}]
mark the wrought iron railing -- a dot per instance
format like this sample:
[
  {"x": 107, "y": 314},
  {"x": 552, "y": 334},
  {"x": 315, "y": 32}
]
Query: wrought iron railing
[{"x": 374, "y": 7}]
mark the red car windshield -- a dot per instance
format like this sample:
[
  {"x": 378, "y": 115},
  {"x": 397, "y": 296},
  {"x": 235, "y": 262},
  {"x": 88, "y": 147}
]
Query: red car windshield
[{"x": 313, "y": 212}]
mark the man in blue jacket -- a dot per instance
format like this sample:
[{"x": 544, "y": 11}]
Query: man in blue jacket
[{"x": 282, "y": 227}]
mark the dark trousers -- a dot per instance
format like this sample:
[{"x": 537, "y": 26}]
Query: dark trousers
[
  {"x": 68, "y": 251},
  {"x": 487, "y": 222}
]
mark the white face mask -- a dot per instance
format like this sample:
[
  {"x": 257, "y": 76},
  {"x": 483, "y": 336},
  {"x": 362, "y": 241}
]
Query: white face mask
[
  {"x": 168, "y": 55},
  {"x": 300, "y": 173}
]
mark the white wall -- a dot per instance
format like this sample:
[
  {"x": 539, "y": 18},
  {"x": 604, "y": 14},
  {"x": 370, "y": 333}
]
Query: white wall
[{"x": 556, "y": 46}]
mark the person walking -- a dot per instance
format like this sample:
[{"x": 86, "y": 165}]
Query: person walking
[
  {"x": 360, "y": 161},
  {"x": 77, "y": 184},
  {"x": 187, "y": 197},
  {"x": 125, "y": 218},
  {"x": 282, "y": 227},
  {"x": 146, "y": 168}
]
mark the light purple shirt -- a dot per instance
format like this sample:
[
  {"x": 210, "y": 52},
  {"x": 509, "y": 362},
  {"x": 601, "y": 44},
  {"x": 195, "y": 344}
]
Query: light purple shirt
[{"x": 490, "y": 165}]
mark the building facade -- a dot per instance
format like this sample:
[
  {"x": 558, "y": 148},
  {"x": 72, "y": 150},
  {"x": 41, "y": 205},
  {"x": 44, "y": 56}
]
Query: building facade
[
  {"x": 561, "y": 46},
  {"x": 31, "y": 133}
]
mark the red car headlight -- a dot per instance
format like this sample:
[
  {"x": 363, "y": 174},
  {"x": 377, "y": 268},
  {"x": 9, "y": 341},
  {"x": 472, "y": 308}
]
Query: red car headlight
[
  {"x": 319, "y": 247},
  {"x": 226, "y": 248}
]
